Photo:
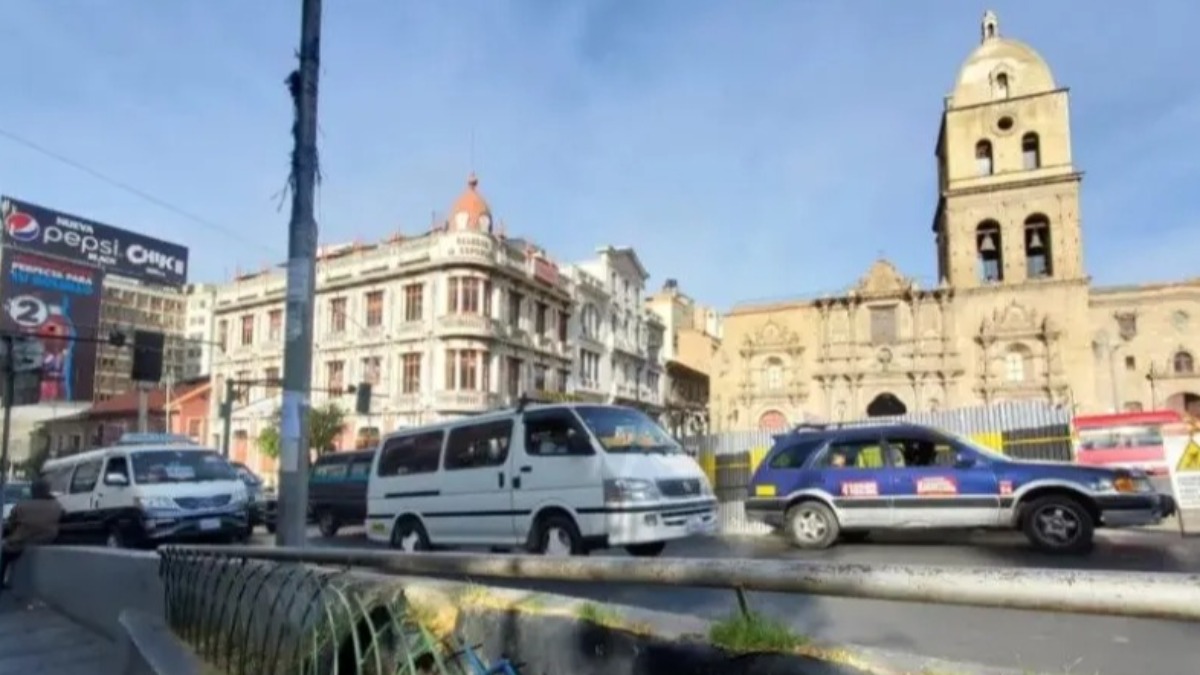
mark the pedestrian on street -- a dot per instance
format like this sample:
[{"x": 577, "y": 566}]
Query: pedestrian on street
[{"x": 33, "y": 521}]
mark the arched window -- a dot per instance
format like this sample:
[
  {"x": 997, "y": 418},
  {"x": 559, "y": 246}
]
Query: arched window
[
  {"x": 1031, "y": 151},
  {"x": 1002, "y": 85},
  {"x": 989, "y": 251},
  {"x": 1038, "y": 263},
  {"x": 773, "y": 374},
  {"x": 1016, "y": 362},
  {"x": 1182, "y": 363},
  {"x": 983, "y": 158}
]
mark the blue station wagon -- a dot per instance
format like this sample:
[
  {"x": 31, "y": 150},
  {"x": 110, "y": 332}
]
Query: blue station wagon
[{"x": 819, "y": 484}]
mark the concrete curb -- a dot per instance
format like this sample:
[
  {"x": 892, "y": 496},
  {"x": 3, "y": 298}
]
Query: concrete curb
[
  {"x": 633, "y": 640},
  {"x": 150, "y": 648}
]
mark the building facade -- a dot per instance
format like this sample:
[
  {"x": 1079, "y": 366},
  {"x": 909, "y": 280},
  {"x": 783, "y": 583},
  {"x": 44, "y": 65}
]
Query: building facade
[
  {"x": 1014, "y": 315},
  {"x": 128, "y": 306},
  {"x": 456, "y": 321},
  {"x": 692, "y": 337},
  {"x": 198, "y": 321},
  {"x": 617, "y": 342}
]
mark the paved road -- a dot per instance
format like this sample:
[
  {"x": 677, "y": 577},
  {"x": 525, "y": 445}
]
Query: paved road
[{"x": 1034, "y": 641}]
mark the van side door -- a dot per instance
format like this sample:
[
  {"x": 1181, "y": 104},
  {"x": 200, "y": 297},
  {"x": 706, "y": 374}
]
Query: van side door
[
  {"x": 554, "y": 463},
  {"x": 82, "y": 501},
  {"x": 475, "y": 484}
]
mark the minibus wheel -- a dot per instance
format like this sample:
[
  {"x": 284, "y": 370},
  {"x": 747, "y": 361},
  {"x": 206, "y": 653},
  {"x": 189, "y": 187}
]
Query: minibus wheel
[
  {"x": 557, "y": 535},
  {"x": 409, "y": 536}
]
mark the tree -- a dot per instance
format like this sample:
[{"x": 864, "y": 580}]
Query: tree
[{"x": 324, "y": 425}]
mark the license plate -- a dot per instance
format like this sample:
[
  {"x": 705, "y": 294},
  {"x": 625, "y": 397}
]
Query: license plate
[
  {"x": 696, "y": 525},
  {"x": 209, "y": 524}
]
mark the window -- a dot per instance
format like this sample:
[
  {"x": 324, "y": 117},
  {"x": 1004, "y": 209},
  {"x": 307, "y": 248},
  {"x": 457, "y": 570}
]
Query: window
[
  {"x": 360, "y": 470},
  {"x": 563, "y": 321},
  {"x": 59, "y": 480},
  {"x": 1002, "y": 78},
  {"x": 914, "y": 452},
  {"x": 983, "y": 158},
  {"x": 241, "y": 391},
  {"x": 330, "y": 471},
  {"x": 412, "y": 373},
  {"x": 989, "y": 247},
  {"x": 1132, "y": 407},
  {"x": 407, "y": 455},
  {"x": 452, "y": 295},
  {"x": 470, "y": 296},
  {"x": 1182, "y": 363},
  {"x": 374, "y": 309},
  {"x": 222, "y": 333},
  {"x": 117, "y": 465},
  {"x": 794, "y": 456},
  {"x": 180, "y": 466},
  {"x": 514, "y": 309},
  {"x": 85, "y": 477},
  {"x": 195, "y": 428},
  {"x": 275, "y": 325},
  {"x": 371, "y": 367},
  {"x": 513, "y": 375},
  {"x": 539, "y": 378},
  {"x": 1031, "y": 151},
  {"x": 413, "y": 295},
  {"x": 864, "y": 454},
  {"x": 539, "y": 325},
  {"x": 1038, "y": 264},
  {"x": 337, "y": 315},
  {"x": 1115, "y": 438},
  {"x": 247, "y": 330},
  {"x": 271, "y": 375},
  {"x": 468, "y": 364},
  {"x": 478, "y": 446},
  {"x": 1130, "y": 363},
  {"x": 883, "y": 325},
  {"x": 487, "y": 298},
  {"x": 773, "y": 374},
  {"x": 564, "y": 376},
  {"x": 555, "y": 433},
  {"x": 1014, "y": 365},
  {"x": 335, "y": 375}
]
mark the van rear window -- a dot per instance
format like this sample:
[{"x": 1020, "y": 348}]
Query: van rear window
[{"x": 406, "y": 455}]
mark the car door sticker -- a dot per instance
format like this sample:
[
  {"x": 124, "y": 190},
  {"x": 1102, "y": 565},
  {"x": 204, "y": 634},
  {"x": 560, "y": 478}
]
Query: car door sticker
[
  {"x": 937, "y": 486},
  {"x": 860, "y": 488},
  {"x": 1006, "y": 487}
]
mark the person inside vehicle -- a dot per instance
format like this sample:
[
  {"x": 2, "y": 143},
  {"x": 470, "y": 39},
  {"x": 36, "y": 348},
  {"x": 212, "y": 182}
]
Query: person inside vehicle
[
  {"x": 837, "y": 460},
  {"x": 32, "y": 522}
]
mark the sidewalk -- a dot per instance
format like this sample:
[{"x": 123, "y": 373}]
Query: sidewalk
[{"x": 35, "y": 640}]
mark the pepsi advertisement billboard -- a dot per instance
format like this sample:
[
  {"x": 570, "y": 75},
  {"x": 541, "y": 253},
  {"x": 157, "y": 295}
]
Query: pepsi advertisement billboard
[
  {"x": 55, "y": 301},
  {"x": 35, "y": 229}
]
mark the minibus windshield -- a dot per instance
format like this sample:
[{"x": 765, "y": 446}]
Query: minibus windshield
[
  {"x": 627, "y": 430},
  {"x": 173, "y": 466}
]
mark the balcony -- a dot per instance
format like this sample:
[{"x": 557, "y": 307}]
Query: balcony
[
  {"x": 465, "y": 401},
  {"x": 409, "y": 330},
  {"x": 467, "y": 324}
]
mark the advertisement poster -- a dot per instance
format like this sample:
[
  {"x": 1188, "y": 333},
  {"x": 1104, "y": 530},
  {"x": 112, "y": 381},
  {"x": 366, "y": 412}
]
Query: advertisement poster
[
  {"x": 36, "y": 229},
  {"x": 54, "y": 301}
]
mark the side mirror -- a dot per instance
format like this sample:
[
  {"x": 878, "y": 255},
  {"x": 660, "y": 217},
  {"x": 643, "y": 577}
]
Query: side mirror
[
  {"x": 116, "y": 480},
  {"x": 964, "y": 461},
  {"x": 579, "y": 444}
]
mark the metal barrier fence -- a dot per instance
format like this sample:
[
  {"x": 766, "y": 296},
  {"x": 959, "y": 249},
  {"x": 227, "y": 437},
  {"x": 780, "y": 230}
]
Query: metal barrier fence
[
  {"x": 244, "y": 615},
  {"x": 1021, "y": 429}
]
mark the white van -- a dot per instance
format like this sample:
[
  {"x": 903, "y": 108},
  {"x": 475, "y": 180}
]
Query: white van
[
  {"x": 561, "y": 479},
  {"x": 142, "y": 493}
]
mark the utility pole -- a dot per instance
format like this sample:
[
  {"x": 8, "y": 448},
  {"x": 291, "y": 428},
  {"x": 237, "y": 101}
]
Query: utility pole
[
  {"x": 292, "y": 525},
  {"x": 226, "y": 408},
  {"x": 143, "y": 399}
]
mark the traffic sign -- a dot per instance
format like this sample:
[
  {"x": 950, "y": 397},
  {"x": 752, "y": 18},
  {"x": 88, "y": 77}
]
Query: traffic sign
[
  {"x": 1182, "y": 446},
  {"x": 1189, "y": 461}
]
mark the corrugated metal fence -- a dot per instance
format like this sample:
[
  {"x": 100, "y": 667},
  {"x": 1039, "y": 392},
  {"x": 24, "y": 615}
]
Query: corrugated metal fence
[{"x": 1027, "y": 430}]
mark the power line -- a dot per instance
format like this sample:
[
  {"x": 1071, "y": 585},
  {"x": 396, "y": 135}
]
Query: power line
[{"x": 121, "y": 185}]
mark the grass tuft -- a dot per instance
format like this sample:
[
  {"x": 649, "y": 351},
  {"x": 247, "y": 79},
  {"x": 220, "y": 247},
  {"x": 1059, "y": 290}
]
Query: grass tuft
[{"x": 753, "y": 632}]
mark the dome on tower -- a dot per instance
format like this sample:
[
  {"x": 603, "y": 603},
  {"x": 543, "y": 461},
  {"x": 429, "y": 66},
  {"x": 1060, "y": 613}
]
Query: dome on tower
[
  {"x": 470, "y": 211},
  {"x": 1000, "y": 68}
]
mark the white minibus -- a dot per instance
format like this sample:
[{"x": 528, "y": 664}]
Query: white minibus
[{"x": 556, "y": 479}]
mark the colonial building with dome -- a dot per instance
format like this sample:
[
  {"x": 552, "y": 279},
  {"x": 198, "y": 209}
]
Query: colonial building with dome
[
  {"x": 1014, "y": 316},
  {"x": 453, "y": 321}
]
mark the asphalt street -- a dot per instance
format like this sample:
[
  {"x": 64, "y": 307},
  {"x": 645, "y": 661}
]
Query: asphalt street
[{"x": 1028, "y": 641}]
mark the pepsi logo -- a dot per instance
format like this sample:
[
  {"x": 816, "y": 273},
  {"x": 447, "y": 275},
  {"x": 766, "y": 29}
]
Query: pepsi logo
[{"x": 22, "y": 226}]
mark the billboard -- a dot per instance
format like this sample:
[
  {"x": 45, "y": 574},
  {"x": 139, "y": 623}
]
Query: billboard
[
  {"x": 36, "y": 229},
  {"x": 57, "y": 302}
]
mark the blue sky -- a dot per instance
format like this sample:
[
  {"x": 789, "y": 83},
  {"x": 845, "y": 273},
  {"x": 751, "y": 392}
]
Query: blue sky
[{"x": 751, "y": 150}]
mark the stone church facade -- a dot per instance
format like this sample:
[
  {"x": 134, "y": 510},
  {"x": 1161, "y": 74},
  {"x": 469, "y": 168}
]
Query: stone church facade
[{"x": 1014, "y": 317}]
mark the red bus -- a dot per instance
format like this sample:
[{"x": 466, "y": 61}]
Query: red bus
[{"x": 1131, "y": 440}]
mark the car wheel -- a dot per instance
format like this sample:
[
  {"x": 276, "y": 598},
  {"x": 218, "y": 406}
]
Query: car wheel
[
  {"x": 1059, "y": 524},
  {"x": 812, "y": 525},
  {"x": 856, "y": 537},
  {"x": 409, "y": 536},
  {"x": 650, "y": 550},
  {"x": 115, "y": 539},
  {"x": 328, "y": 524},
  {"x": 557, "y": 535}
]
